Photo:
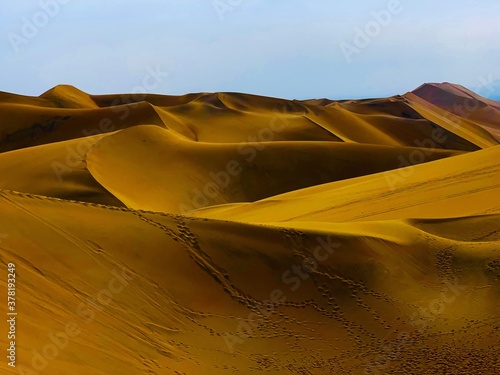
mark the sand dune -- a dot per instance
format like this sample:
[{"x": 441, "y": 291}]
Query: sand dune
[
  {"x": 456, "y": 187},
  {"x": 461, "y": 105},
  {"x": 55, "y": 170},
  {"x": 65, "y": 96},
  {"x": 194, "y": 282},
  {"x": 226, "y": 233},
  {"x": 213, "y": 174}
]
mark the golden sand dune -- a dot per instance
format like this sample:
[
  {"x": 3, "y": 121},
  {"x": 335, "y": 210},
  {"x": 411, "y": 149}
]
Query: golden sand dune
[
  {"x": 455, "y": 187},
  {"x": 27, "y": 126},
  {"x": 65, "y": 96},
  {"x": 226, "y": 118},
  {"x": 195, "y": 301},
  {"x": 237, "y": 234},
  {"x": 211, "y": 174},
  {"x": 461, "y": 107},
  {"x": 55, "y": 170},
  {"x": 6, "y": 98}
]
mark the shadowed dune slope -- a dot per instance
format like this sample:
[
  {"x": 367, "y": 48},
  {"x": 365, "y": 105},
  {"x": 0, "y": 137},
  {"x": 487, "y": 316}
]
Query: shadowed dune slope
[
  {"x": 373, "y": 123},
  {"x": 150, "y": 168},
  {"x": 24, "y": 126},
  {"x": 459, "y": 104},
  {"x": 56, "y": 170},
  {"x": 460, "y": 186}
]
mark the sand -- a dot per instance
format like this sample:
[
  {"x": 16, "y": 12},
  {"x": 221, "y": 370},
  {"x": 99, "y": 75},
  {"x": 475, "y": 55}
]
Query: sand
[{"x": 230, "y": 233}]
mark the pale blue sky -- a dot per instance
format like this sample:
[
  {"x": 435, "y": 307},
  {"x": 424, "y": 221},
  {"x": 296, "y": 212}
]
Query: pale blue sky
[{"x": 283, "y": 48}]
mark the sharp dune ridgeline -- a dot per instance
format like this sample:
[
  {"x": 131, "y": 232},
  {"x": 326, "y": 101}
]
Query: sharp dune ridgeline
[{"x": 227, "y": 233}]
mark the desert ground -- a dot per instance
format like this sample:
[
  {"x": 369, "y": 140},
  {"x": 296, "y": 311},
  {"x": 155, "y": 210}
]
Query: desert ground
[{"x": 228, "y": 233}]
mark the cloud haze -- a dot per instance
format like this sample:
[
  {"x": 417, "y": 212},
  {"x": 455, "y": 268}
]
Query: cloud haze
[{"x": 279, "y": 48}]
